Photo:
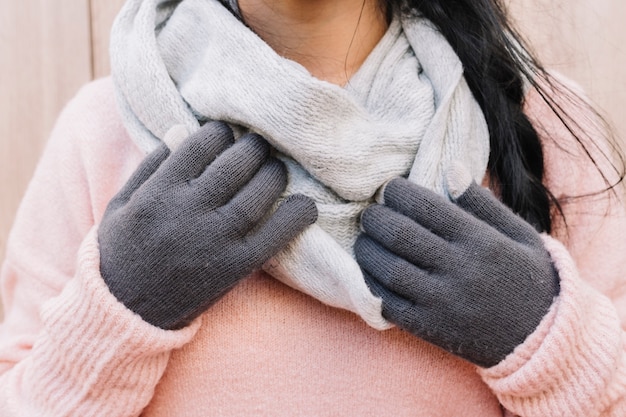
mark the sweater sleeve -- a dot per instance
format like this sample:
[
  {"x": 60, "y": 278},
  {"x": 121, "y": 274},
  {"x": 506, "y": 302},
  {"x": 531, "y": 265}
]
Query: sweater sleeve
[
  {"x": 67, "y": 346},
  {"x": 574, "y": 364}
]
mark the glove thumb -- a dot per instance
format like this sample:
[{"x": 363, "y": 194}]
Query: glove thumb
[{"x": 457, "y": 179}]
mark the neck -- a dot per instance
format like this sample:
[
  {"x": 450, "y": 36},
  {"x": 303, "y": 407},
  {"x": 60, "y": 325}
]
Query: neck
[{"x": 330, "y": 38}]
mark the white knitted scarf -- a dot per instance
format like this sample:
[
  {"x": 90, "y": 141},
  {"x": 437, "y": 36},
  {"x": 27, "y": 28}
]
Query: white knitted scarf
[{"x": 407, "y": 111}]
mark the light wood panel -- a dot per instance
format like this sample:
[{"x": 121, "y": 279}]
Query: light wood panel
[
  {"x": 102, "y": 14},
  {"x": 586, "y": 41}
]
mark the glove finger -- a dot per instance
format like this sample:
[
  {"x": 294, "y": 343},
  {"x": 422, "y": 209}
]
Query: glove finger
[
  {"x": 196, "y": 152},
  {"x": 481, "y": 203},
  {"x": 232, "y": 170},
  {"x": 431, "y": 210},
  {"x": 290, "y": 219},
  {"x": 398, "y": 310},
  {"x": 397, "y": 274},
  {"x": 148, "y": 166},
  {"x": 404, "y": 237},
  {"x": 432, "y": 326},
  {"x": 256, "y": 198}
]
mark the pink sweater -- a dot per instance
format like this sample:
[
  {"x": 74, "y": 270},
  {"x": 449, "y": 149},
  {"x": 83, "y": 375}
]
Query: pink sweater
[{"x": 69, "y": 348}]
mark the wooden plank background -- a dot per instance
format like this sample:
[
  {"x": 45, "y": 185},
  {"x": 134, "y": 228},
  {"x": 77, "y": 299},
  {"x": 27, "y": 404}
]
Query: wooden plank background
[{"x": 49, "y": 48}]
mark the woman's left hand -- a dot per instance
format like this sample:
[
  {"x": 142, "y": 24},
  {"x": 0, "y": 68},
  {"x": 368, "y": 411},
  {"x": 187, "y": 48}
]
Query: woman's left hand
[{"x": 469, "y": 276}]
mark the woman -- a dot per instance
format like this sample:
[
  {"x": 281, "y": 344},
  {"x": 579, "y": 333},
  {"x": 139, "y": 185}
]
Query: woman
[{"x": 149, "y": 285}]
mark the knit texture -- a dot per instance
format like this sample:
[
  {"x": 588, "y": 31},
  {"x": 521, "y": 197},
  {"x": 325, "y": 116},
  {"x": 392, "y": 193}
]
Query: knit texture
[
  {"x": 188, "y": 226},
  {"x": 469, "y": 276},
  {"x": 70, "y": 378},
  {"x": 69, "y": 348},
  {"x": 569, "y": 353},
  {"x": 407, "y": 111}
]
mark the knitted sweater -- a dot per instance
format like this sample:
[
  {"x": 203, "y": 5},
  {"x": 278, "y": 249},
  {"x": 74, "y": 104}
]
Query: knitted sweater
[{"x": 69, "y": 348}]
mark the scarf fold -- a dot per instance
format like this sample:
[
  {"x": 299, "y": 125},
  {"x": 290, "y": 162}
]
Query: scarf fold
[{"x": 407, "y": 112}]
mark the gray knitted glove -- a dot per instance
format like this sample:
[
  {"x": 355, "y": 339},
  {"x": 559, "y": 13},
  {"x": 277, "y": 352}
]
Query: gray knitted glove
[
  {"x": 470, "y": 276},
  {"x": 185, "y": 227}
]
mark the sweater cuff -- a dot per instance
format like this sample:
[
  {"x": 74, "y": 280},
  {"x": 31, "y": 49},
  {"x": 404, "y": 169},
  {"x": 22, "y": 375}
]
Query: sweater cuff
[
  {"x": 96, "y": 356},
  {"x": 573, "y": 363}
]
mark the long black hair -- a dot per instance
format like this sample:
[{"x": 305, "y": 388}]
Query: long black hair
[{"x": 497, "y": 65}]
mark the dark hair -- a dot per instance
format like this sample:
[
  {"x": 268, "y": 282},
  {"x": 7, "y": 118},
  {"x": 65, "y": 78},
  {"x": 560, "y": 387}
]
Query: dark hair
[{"x": 497, "y": 65}]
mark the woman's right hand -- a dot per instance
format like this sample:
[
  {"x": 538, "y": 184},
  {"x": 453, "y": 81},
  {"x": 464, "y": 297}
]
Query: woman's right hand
[{"x": 186, "y": 227}]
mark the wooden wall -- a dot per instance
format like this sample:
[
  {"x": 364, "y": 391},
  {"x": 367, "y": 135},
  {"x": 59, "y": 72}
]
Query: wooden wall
[
  {"x": 585, "y": 40},
  {"x": 49, "y": 48}
]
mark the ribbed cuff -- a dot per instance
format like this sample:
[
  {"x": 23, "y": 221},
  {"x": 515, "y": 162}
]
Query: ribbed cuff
[
  {"x": 573, "y": 364},
  {"x": 95, "y": 357}
]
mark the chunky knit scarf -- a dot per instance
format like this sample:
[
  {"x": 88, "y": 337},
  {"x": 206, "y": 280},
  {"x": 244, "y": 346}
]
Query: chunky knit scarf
[{"x": 407, "y": 111}]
